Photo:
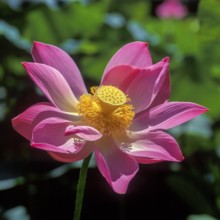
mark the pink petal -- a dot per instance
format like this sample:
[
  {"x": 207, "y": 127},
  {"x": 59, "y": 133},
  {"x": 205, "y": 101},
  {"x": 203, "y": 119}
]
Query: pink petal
[
  {"x": 84, "y": 132},
  {"x": 60, "y": 60},
  {"x": 49, "y": 135},
  {"x": 141, "y": 85},
  {"x": 172, "y": 114},
  {"x": 145, "y": 87},
  {"x": 152, "y": 147},
  {"x": 135, "y": 54},
  {"x": 168, "y": 115},
  {"x": 117, "y": 167},
  {"x": 26, "y": 121},
  {"x": 53, "y": 85},
  {"x": 72, "y": 157},
  {"x": 163, "y": 93},
  {"x": 144, "y": 160}
]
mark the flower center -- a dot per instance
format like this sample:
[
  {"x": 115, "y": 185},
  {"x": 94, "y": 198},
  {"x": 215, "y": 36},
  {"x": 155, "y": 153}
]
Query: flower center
[
  {"x": 111, "y": 95},
  {"x": 106, "y": 109}
]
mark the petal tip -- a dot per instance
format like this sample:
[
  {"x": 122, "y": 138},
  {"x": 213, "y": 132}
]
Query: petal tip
[
  {"x": 166, "y": 59},
  {"x": 23, "y": 63},
  {"x": 37, "y": 43},
  {"x": 37, "y": 46},
  {"x": 144, "y": 43},
  {"x": 26, "y": 65},
  {"x": 202, "y": 109},
  {"x": 180, "y": 158},
  {"x": 138, "y": 43},
  {"x": 205, "y": 109},
  {"x": 13, "y": 122}
]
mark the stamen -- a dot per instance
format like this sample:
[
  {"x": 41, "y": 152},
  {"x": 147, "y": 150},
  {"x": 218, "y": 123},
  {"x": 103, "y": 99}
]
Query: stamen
[
  {"x": 106, "y": 110},
  {"x": 126, "y": 146}
]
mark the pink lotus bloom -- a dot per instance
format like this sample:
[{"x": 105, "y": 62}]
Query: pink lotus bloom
[
  {"x": 171, "y": 9},
  {"x": 122, "y": 121}
]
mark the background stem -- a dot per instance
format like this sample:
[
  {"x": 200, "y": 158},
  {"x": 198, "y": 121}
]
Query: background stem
[{"x": 81, "y": 188}]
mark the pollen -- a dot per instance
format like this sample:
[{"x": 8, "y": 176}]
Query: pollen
[{"x": 106, "y": 109}]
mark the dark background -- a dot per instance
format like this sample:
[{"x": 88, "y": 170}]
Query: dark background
[{"x": 33, "y": 186}]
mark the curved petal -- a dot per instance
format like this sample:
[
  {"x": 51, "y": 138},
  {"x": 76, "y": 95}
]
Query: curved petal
[
  {"x": 163, "y": 92},
  {"x": 84, "y": 132},
  {"x": 53, "y": 85},
  {"x": 60, "y": 60},
  {"x": 117, "y": 167},
  {"x": 151, "y": 147},
  {"x": 26, "y": 121},
  {"x": 49, "y": 135},
  {"x": 143, "y": 160},
  {"x": 141, "y": 85},
  {"x": 82, "y": 153},
  {"x": 167, "y": 115},
  {"x": 135, "y": 54}
]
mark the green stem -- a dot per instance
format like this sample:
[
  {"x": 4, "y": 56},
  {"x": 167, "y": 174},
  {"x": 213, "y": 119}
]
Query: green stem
[{"x": 81, "y": 187}]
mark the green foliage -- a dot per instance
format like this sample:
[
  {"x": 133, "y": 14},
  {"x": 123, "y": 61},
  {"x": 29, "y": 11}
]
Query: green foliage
[
  {"x": 91, "y": 32},
  {"x": 70, "y": 21}
]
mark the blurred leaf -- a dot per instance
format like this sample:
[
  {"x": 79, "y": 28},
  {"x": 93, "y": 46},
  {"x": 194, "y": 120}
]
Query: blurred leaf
[
  {"x": 18, "y": 212},
  {"x": 3, "y": 92},
  {"x": 209, "y": 17},
  {"x": 11, "y": 183},
  {"x": 190, "y": 193},
  {"x": 71, "y": 45},
  {"x": 114, "y": 20},
  {"x": 55, "y": 26},
  {"x": 1, "y": 73},
  {"x": 3, "y": 110},
  {"x": 193, "y": 144},
  {"x": 88, "y": 47},
  {"x": 201, "y": 217},
  {"x": 176, "y": 32},
  {"x": 200, "y": 126},
  {"x": 13, "y": 65},
  {"x": 139, "y": 33},
  {"x": 203, "y": 92},
  {"x": 12, "y": 34}
]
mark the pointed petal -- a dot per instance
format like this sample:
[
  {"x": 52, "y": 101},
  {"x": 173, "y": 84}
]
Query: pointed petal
[
  {"x": 135, "y": 54},
  {"x": 167, "y": 115},
  {"x": 84, "y": 132},
  {"x": 145, "y": 87},
  {"x": 117, "y": 167},
  {"x": 172, "y": 114},
  {"x": 53, "y": 85},
  {"x": 163, "y": 92},
  {"x": 121, "y": 76},
  {"x": 60, "y": 60},
  {"x": 26, "y": 121},
  {"x": 49, "y": 135},
  {"x": 141, "y": 85},
  {"x": 152, "y": 147}
]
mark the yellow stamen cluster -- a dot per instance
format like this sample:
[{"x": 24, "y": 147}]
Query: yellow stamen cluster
[{"x": 106, "y": 110}]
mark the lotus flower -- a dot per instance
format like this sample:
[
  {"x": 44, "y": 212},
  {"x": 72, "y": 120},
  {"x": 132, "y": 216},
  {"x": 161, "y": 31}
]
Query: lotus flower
[
  {"x": 171, "y": 9},
  {"x": 122, "y": 120}
]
